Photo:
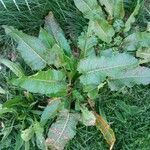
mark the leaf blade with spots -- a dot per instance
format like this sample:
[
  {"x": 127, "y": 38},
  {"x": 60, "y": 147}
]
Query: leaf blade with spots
[
  {"x": 95, "y": 70},
  {"x": 136, "y": 40},
  {"x": 63, "y": 130},
  {"x": 54, "y": 29},
  {"x": 32, "y": 50}
]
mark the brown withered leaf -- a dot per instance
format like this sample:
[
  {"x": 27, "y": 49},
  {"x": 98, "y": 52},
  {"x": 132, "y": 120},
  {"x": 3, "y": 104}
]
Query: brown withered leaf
[{"x": 107, "y": 132}]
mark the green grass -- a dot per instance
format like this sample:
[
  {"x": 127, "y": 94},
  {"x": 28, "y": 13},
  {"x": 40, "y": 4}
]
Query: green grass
[
  {"x": 128, "y": 112},
  {"x": 129, "y": 115},
  {"x": 31, "y": 20}
]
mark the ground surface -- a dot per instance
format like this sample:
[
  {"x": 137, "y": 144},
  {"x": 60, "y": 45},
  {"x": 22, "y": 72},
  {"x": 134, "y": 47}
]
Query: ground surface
[{"x": 127, "y": 112}]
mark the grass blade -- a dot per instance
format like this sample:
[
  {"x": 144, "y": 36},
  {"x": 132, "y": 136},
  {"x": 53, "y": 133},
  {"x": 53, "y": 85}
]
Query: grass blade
[
  {"x": 26, "y": 1},
  {"x": 16, "y": 5},
  {"x": 3, "y": 4},
  {"x": 2, "y": 91}
]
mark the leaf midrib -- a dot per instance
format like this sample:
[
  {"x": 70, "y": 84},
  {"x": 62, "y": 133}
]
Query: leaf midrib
[
  {"x": 102, "y": 69},
  {"x": 31, "y": 49},
  {"x": 47, "y": 81},
  {"x": 64, "y": 128},
  {"x": 104, "y": 33},
  {"x": 130, "y": 77}
]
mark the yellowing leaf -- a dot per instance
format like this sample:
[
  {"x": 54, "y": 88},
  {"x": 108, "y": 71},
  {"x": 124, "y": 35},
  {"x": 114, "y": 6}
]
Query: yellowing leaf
[
  {"x": 107, "y": 132},
  {"x": 131, "y": 19},
  {"x": 63, "y": 130}
]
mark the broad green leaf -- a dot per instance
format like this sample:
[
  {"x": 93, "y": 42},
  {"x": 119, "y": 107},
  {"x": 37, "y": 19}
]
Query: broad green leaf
[
  {"x": 58, "y": 58},
  {"x": 27, "y": 134},
  {"x": 101, "y": 28},
  {"x": 31, "y": 48},
  {"x": 131, "y": 19},
  {"x": 46, "y": 38},
  {"x": 51, "y": 82},
  {"x": 144, "y": 54},
  {"x": 107, "y": 132},
  {"x": 109, "y": 6},
  {"x": 50, "y": 111},
  {"x": 15, "y": 68},
  {"x": 136, "y": 40},
  {"x": 39, "y": 132},
  {"x": 63, "y": 130},
  {"x": 107, "y": 52},
  {"x": 2, "y": 91},
  {"x": 129, "y": 78},
  {"x": 90, "y": 9},
  {"x": 95, "y": 70},
  {"x": 55, "y": 56},
  {"x": 85, "y": 6},
  {"x": 86, "y": 43},
  {"x": 54, "y": 29},
  {"x": 87, "y": 117},
  {"x": 119, "y": 11},
  {"x": 69, "y": 63}
]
